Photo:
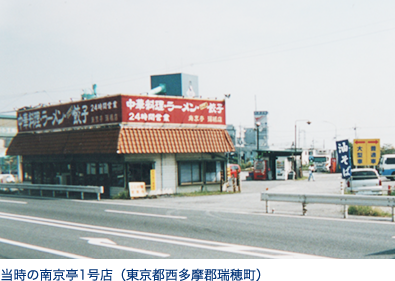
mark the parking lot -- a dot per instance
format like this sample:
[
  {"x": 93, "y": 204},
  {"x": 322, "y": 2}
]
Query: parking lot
[{"x": 248, "y": 200}]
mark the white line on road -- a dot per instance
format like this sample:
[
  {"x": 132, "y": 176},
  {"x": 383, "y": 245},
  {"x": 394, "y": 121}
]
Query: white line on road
[
  {"x": 247, "y": 212},
  {"x": 105, "y": 242},
  {"x": 146, "y": 214},
  {"x": 160, "y": 238},
  {"x": 13, "y": 201},
  {"x": 42, "y": 249}
]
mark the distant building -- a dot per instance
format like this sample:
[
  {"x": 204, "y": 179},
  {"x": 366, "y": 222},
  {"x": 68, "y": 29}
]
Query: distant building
[
  {"x": 246, "y": 139},
  {"x": 232, "y": 133}
]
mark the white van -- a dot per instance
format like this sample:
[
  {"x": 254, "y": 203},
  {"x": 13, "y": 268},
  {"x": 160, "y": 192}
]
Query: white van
[{"x": 387, "y": 166}]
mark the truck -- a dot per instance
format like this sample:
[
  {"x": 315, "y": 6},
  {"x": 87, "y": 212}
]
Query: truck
[
  {"x": 260, "y": 169},
  {"x": 322, "y": 160}
]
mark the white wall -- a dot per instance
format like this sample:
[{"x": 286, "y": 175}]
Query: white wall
[
  {"x": 166, "y": 174},
  {"x": 165, "y": 171}
]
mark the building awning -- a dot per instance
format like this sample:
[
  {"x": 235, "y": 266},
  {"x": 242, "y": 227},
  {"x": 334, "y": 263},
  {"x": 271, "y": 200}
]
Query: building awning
[{"x": 122, "y": 141}]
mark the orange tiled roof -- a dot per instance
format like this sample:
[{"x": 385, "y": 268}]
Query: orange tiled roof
[
  {"x": 155, "y": 140},
  {"x": 123, "y": 141}
]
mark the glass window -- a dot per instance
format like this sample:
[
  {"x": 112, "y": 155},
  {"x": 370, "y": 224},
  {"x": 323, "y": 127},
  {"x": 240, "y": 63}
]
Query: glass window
[
  {"x": 103, "y": 177},
  {"x": 79, "y": 174},
  {"x": 185, "y": 172},
  {"x": 211, "y": 172},
  {"x": 318, "y": 159},
  {"x": 62, "y": 173},
  {"x": 364, "y": 175},
  {"x": 140, "y": 172},
  {"x": 117, "y": 175},
  {"x": 48, "y": 173},
  {"x": 146, "y": 173},
  {"x": 27, "y": 173},
  {"x": 190, "y": 172},
  {"x": 37, "y": 173},
  {"x": 103, "y": 168},
  {"x": 91, "y": 168},
  {"x": 196, "y": 176},
  {"x": 390, "y": 161}
]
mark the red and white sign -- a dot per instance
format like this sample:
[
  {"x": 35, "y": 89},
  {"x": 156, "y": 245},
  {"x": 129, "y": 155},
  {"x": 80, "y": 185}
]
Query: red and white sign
[
  {"x": 133, "y": 109},
  {"x": 137, "y": 189},
  {"x": 171, "y": 110}
]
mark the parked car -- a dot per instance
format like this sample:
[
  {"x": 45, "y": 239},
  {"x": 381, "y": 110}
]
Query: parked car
[
  {"x": 387, "y": 166},
  {"x": 364, "y": 182},
  {"x": 234, "y": 170}
]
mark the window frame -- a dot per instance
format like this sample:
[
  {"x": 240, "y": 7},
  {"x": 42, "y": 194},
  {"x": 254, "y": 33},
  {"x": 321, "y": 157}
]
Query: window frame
[{"x": 202, "y": 172}]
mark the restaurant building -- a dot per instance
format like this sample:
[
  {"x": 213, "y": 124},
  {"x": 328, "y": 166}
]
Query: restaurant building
[{"x": 172, "y": 144}]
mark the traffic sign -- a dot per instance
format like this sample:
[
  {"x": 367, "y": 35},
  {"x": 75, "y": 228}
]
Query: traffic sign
[{"x": 366, "y": 152}]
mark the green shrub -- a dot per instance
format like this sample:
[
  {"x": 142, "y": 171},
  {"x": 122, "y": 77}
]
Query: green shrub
[
  {"x": 367, "y": 211},
  {"x": 122, "y": 195}
]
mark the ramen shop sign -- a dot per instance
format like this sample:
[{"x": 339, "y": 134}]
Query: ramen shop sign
[
  {"x": 176, "y": 110},
  {"x": 130, "y": 109}
]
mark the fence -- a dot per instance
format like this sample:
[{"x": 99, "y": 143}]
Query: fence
[
  {"x": 345, "y": 200},
  {"x": 54, "y": 188}
]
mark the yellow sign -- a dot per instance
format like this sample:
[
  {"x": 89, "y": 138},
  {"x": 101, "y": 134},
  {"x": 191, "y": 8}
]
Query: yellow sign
[
  {"x": 366, "y": 152},
  {"x": 153, "y": 179}
]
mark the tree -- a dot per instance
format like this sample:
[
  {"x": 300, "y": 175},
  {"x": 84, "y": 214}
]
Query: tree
[{"x": 387, "y": 149}]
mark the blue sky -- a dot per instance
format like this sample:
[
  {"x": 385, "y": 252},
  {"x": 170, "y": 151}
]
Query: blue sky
[{"x": 331, "y": 62}]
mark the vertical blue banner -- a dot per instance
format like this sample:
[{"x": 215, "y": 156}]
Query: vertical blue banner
[{"x": 344, "y": 159}]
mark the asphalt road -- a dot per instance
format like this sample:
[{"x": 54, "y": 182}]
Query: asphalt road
[{"x": 230, "y": 226}]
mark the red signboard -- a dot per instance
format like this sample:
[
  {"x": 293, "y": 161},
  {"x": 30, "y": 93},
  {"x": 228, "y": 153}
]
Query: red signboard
[
  {"x": 172, "y": 110},
  {"x": 136, "y": 109}
]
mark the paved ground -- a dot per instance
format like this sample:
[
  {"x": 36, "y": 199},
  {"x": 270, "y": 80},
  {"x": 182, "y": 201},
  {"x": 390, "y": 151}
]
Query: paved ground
[
  {"x": 248, "y": 201},
  {"x": 249, "y": 198}
]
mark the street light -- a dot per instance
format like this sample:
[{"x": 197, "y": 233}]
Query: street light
[{"x": 308, "y": 123}]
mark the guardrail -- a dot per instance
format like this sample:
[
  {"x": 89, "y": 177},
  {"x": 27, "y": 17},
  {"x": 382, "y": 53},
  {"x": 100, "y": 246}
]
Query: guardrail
[
  {"x": 345, "y": 200},
  {"x": 54, "y": 188}
]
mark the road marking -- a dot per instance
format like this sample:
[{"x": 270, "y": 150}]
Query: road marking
[
  {"x": 105, "y": 242},
  {"x": 146, "y": 214},
  {"x": 42, "y": 249},
  {"x": 13, "y": 201},
  {"x": 247, "y": 212},
  {"x": 161, "y": 238}
]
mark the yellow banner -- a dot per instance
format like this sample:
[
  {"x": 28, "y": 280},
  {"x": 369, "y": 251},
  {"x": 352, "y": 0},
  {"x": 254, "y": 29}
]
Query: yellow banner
[
  {"x": 153, "y": 180},
  {"x": 366, "y": 152}
]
